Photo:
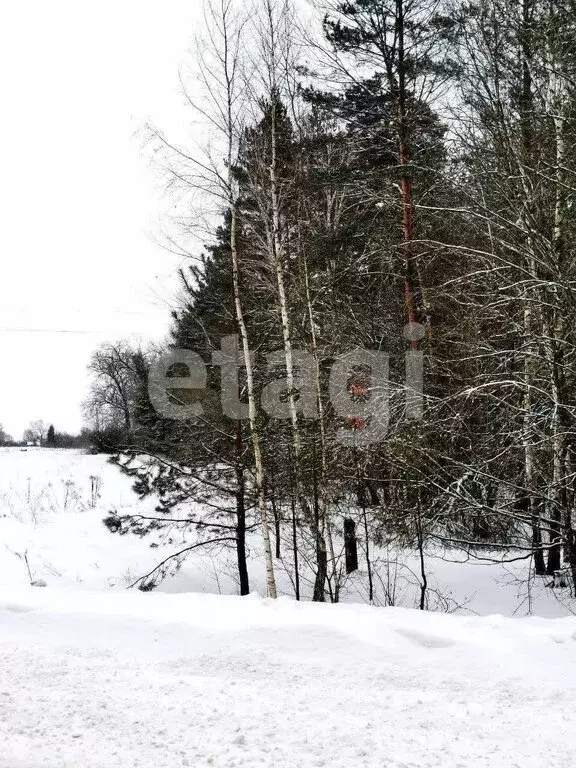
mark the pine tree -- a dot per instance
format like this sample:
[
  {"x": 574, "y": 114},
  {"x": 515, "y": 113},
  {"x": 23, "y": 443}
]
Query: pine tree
[{"x": 51, "y": 437}]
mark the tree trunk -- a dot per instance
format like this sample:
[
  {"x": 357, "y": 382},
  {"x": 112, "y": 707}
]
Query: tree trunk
[
  {"x": 324, "y": 519},
  {"x": 277, "y": 529},
  {"x": 424, "y": 578},
  {"x": 368, "y": 561},
  {"x": 295, "y": 548},
  {"x": 259, "y": 466},
  {"x": 406, "y": 178},
  {"x": 276, "y": 254},
  {"x": 539, "y": 562},
  {"x": 530, "y": 356},
  {"x": 553, "y": 343},
  {"x": 241, "y": 515}
]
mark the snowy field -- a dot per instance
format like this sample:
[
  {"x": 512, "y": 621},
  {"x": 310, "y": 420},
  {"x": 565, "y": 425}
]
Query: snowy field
[{"x": 93, "y": 675}]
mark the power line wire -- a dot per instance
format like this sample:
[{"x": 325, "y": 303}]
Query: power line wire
[{"x": 48, "y": 330}]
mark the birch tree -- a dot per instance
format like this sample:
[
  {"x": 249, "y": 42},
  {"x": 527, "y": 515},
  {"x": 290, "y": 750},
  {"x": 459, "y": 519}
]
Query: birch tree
[{"x": 218, "y": 98}]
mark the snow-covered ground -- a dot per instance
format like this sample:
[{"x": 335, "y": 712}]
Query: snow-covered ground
[
  {"x": 93, "y": 675},
  {"x": 97, "y": 680},
  {"x": 52, "y": 503}
]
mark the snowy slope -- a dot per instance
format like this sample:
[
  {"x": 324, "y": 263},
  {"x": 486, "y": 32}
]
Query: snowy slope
[{"x": 97, "y": 680}]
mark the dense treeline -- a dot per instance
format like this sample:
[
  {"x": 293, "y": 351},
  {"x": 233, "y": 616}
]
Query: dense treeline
[{"x": 404, "y": 185}]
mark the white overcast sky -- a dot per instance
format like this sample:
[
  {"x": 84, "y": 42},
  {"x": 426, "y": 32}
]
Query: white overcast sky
[{"x": 79, "y": 200}]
